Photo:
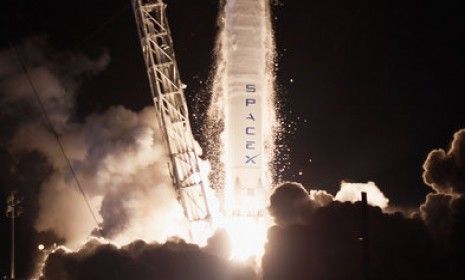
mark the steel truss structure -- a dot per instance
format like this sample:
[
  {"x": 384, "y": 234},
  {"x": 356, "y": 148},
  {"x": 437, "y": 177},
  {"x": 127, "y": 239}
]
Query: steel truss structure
[{"x": 170, "y": 105}]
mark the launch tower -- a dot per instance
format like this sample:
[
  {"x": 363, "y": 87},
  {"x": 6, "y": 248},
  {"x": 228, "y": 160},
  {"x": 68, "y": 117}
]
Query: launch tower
[{"x": 170, "y": 105}]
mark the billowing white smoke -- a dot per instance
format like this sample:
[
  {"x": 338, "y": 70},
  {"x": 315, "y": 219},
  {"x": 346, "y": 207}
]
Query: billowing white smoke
[
  {"x": 352, "y": 192},
  {"x": 56, "y": 74},
  {"x": 117, "y": 155},
  {"x": 122, "y": 168}
]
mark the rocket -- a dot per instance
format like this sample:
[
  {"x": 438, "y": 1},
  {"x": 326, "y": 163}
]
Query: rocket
[{"x": 245, "y": 27}]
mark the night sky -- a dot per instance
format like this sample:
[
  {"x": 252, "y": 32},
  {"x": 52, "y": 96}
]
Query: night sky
[{"x": 366, "y": 88}]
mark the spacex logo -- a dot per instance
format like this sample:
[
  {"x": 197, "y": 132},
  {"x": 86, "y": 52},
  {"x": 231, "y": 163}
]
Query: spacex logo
[{"x": 251, "y": 156}]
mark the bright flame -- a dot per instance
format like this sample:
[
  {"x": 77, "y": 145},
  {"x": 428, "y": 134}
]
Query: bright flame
[
  {"x": 247, "y": 233},
  {"x": 248, "y": 237}
]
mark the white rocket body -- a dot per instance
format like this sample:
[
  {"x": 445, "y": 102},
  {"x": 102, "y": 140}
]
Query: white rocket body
[{"x": 245, "y": 23}]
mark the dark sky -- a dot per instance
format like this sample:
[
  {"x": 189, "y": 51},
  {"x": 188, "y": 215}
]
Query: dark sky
[
  {"x": 376, "y": 84},
  {"x": 380, "y": 83}
]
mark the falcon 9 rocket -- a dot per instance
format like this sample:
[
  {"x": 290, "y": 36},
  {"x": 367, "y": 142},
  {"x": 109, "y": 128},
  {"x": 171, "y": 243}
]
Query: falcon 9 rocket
[{"x": 246, "y": 95}]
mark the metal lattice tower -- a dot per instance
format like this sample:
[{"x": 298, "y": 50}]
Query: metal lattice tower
[{"x": 170, "y": 106}]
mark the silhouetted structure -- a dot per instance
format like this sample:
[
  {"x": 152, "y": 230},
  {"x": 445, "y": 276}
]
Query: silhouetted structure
[
  {"x": 364, "y": 238},
  {"x": 13, "y": 210}
]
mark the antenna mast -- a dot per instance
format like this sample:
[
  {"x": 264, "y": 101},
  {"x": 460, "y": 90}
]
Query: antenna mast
[{"x": 13, "y": 210}]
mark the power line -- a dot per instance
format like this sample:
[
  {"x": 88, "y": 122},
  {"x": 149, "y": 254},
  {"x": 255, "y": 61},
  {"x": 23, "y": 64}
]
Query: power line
[
  {"x": 48, "y": 121},
  {"x": 57, "y": 136}
]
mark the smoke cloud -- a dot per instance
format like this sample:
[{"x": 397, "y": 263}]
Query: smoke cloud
[
  {"x": 444, "y": 209},
  {"x": 318, "y": 236},
  {"x": 444, "y": 171},
  {"x": 326, "y": 244},
  {"x": 291, "y": 203},
  {"x": 321, "y": 198},
  {"x": 56, "y": 75},
  {"x": 117, "y": 155},
  {"x": 352, "y": 192},
  {"x": 288, "y": 203},
  {"x": 142, "y": 261}
]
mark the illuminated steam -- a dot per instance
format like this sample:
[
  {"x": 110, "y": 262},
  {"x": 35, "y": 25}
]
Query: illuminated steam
[
  {"x": 351, "y": 192},
  {"x": 117, "y": 155},
  {"x": 443, "y": 172}
]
